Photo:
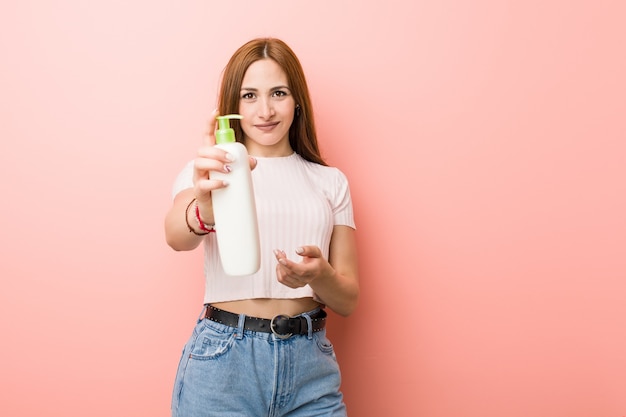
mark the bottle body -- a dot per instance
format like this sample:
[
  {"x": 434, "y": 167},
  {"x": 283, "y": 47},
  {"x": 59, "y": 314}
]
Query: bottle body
[{"x": 234, "y": 212}]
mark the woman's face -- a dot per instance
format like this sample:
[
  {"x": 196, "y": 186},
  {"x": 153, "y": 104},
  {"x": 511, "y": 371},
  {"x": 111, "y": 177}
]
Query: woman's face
[{"x": 267, "y": 106}]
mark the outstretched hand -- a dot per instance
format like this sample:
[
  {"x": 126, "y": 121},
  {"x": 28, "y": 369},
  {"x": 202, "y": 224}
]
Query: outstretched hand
[{"x": 299, "y": 274}]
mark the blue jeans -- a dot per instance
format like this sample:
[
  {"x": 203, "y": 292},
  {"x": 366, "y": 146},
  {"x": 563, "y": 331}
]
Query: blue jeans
[{"x": 228, "y": 371}]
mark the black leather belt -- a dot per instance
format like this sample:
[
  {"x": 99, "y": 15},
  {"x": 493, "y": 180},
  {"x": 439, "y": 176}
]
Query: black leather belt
[{"x": 282, "y": 326}]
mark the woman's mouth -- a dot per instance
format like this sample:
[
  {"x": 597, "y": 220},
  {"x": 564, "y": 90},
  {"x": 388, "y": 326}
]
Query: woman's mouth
[{"x": 266, "y": 127}]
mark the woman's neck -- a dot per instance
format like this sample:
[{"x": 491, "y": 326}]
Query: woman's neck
[{"x": 274, "y": 151}]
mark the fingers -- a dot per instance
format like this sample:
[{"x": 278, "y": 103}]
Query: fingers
[
  {"x": 304, "y": 251},
  {"x": 281, "y": 257},
  {"x": 203, "y": 188},
  {"x": 298, "y": 274},
  {"x": 309, "y": 251},
  {"x": 210, "y": 158},
  {"x": 286, "y": 278},
  {"x": 209, "y": 136}
]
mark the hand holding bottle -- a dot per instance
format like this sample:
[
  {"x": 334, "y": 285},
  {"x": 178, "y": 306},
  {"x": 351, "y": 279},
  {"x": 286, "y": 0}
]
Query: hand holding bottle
[{"x": 210, "y": 158}]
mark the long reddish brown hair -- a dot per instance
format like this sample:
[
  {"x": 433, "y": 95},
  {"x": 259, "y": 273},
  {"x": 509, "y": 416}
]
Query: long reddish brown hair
[{"x": 302, "y": 136}]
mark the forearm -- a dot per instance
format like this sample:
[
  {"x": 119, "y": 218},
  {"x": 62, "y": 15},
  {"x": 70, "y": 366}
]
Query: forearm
[
  {"x": 178, "y": 220},
  {"x": 339, "y": 292},
  {"x": 338, "y": 285}
]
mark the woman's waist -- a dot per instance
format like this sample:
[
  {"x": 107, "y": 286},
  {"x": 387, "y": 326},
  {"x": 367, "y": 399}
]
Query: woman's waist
[{"x": 269, "y": 307}]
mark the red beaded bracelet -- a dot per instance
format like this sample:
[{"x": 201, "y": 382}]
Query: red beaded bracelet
[
  {"x": 191, "y": 229},
  {"x": 203, "y": 226}
]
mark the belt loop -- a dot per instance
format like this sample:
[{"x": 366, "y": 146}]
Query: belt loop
[
  {"x": 240, "y": 326},
  {"x": 203, "y": 313},
  {"x": 309, "y": 324}
]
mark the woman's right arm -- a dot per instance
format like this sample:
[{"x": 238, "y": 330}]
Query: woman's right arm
[
  {"x": 177, "y": 233},
  {"x": 178, "y": 219}
]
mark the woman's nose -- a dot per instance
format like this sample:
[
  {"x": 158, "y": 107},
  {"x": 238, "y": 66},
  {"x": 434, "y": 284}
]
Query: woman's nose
[{"x": 265, "y": 109}]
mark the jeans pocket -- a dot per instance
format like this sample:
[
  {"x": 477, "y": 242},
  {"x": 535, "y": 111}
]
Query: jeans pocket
[
  {"x": 213, "y": 342},
  {"x": 323, "y": 344}
]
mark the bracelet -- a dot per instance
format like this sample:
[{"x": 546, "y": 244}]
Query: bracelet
[
  {"x": 206, "y": 227},
  {"x": 191, "y": 229}
]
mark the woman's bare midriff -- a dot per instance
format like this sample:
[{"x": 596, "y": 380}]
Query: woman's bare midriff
[{"x": 267, "y": 308}]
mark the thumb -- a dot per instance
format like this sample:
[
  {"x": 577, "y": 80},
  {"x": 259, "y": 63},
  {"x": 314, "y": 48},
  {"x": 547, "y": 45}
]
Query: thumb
[
  {"x": 209, "y": 135},
  {"x": 309, "y": 251}
]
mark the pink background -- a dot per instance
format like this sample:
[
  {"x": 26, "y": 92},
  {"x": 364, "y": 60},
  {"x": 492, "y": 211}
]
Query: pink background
[{"x": 485, "y": 144}]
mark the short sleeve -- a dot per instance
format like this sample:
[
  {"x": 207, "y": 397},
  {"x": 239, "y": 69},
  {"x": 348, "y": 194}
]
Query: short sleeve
[
  {"x": 342, "y": 202},
  {"x": 184, "y": 180}
]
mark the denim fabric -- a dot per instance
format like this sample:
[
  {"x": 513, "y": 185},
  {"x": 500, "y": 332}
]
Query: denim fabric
[{"x": 226, "y": 371}]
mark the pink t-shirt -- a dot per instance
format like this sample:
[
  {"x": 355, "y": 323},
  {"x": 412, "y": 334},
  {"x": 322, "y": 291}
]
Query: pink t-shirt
[{"x": 298, "y": 203}]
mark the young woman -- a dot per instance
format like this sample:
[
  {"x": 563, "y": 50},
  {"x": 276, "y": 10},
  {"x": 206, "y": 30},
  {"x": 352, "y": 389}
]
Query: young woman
[{"x": 260, "y": 347}]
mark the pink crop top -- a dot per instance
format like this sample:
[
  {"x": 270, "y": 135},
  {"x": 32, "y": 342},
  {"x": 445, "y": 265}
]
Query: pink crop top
[{"x": 298, "y": 203}]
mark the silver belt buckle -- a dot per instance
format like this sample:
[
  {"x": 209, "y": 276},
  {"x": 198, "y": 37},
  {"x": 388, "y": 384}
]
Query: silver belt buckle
[{"x": 280, "y": 336}]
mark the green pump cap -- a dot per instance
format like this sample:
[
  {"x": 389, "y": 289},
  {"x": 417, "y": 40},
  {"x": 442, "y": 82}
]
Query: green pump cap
[{"x": 224, "y": 134}]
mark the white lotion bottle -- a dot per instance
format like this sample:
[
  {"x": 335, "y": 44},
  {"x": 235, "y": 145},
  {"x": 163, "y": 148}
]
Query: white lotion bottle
[{"x": 234, "y": 207}]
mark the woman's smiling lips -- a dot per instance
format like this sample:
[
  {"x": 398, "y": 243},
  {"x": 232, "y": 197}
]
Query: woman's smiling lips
[{"x": 266, "y": 127}]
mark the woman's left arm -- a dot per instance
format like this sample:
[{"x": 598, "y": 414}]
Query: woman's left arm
[{"x": 335, "y": 281}]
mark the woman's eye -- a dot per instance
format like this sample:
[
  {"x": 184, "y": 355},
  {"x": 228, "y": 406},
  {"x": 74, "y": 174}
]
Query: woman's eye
[
  {"x": 248, "y": 96},
  {"x": 279, "y": 93}
]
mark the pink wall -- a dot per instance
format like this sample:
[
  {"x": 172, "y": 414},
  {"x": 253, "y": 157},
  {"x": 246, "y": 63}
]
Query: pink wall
[{"x": 485, "y": 143}]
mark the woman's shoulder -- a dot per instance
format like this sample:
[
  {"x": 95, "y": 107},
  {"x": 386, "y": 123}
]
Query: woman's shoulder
[
  {"x": 324, "y": 170},
  {"x": 330, "y": 179}
]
